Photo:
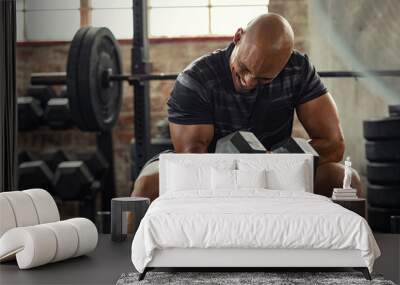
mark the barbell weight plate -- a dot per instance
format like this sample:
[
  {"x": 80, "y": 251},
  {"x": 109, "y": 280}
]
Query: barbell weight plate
[
  {"x": 383, "y": 173},
  {"x": 73, "y": 78},
  {"x": 382, "y": 128},
  {"x": 383, "y": 151},
  {"x": 101, "y": 102},
  {"x": 385, "y": 196},
  {"x": 380, "y": 219},
  {"x": 394, "y": 110}
]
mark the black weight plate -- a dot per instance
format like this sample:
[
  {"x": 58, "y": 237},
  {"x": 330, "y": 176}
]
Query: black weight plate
[
  {"x": 379, "y": 219},
  {"x": 382, "y": 128},
  {"x": 101, "y": 102},
  {"x": 385, "y": 196},
  {"x": 394, "y": 110},
  {"x": 73, "y": 78},
  {"x": 383, "y": 173},
  {"x": 383, "y": 151}
]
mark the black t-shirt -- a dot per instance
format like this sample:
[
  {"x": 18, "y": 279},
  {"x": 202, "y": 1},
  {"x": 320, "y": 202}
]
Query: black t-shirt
[{"x": 204, "y": 94}]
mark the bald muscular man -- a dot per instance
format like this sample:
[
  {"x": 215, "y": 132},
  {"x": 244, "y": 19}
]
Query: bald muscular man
[{"x": 254, "y": 84}]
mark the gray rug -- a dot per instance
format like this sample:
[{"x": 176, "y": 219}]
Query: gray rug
[{"x": 229, "y": 278}]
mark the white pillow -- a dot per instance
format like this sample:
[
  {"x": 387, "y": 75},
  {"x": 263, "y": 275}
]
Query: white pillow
[
  {"x": 294, "y": 180},
  {"x": 186, "y": 175},
  {"x": 226, "y": 179},
  {"x": 223, "y": 179},
  {"x": 183, "y": 178},
  {"x": 251, "y": 178},
  {"x": 282, "y": 174}
]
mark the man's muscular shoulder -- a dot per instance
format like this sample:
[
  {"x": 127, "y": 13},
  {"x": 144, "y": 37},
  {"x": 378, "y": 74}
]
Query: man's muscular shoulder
[
  {"x": 206, "y": 68},
  {"x": 297, "y": 62}
]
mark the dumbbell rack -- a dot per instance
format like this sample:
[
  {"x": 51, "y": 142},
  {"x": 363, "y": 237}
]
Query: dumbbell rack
[{"x": 106, "y": 185}]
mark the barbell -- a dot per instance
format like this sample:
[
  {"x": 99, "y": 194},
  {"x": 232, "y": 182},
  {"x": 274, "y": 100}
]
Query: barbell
[{"x": 94, "y": 78}]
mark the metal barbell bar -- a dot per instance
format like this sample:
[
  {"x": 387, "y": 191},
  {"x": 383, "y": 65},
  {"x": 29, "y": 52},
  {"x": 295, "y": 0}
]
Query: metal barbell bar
[{"x": 60, "y": 78}]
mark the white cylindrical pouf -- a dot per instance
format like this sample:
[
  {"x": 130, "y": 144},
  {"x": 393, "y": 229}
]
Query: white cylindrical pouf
[
  {"x": 67, "y": 239},
  {"x": 7, "y": 218},
  {"x": 34, "y": 246},
  {"x": 23, "y": 208},
  {"x": 45, "y": 205},
  {"x": 87, "y": 235}
]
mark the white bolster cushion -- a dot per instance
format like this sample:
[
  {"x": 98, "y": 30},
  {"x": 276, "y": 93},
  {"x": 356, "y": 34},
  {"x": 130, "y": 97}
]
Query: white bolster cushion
[
  {"x": 66, "y": 238},
  {"x": 41, "y": 244},
  {"x": 87, "y": 235},
  {"x": 7, "y": 218},
  {"x": 33, "y": 246},
  {"x": 45, "y": 205},
  {"x": 23, "y": 208}
]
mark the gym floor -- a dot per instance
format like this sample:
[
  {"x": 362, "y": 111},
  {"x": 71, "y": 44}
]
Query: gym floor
[{"x": 72, "y": 152}]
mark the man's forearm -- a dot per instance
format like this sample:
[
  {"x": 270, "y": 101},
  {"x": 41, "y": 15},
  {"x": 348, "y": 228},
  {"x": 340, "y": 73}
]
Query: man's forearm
[{"x": 329, "y": 150}]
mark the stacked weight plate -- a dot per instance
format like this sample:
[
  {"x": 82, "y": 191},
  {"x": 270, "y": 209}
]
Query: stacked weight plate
[{"x": 383, "y": 171}]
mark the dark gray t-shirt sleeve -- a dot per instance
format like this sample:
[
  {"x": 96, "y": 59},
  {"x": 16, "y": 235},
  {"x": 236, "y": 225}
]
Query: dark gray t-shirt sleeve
[
  {"x": 189, "y": 103},
  {"x": 310, "y": 86}
]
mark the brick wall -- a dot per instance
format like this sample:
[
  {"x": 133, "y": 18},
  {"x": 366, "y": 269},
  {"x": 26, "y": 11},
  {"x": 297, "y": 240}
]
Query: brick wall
[{"x": 166, "y": 56}]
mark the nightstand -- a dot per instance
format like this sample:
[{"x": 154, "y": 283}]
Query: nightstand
[
  {"x": 356, "y": 205},
  {"x": 126, "y": 214}
]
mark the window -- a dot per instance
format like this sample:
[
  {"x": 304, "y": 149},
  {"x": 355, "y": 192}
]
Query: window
[
  {"x": 47, "y": 19},
  {"x": 201, "y": 17},
  {"x": 115, "y": 15},
  {"x": 58, "y": 20}
]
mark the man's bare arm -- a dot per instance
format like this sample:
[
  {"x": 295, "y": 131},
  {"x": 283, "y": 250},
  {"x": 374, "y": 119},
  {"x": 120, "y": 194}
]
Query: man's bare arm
[
  {"x": 321, "y": 121},
  {"x": 191, "y": 138}
]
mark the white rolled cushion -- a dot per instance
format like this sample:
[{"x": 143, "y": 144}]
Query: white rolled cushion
[
  {"x": 33, "y": 246},
  {"x": 67, "y": 239},
  {"x": 87, "y": 235},
  {"x": 45, "y": 205},
  {"x": 7, "y": 218},
  {"x": 40, "y": 244},
  {"x": 223, "y": 179},
  {"x": 251, "y": 178},
  {"x": 23, "y": 208}
]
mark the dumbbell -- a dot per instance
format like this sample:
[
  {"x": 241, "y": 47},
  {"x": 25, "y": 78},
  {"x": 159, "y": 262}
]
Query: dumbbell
[
  {"x": 73, "y": 181},
  {"x": 57, "y": 113},
  {"x": 76, "y": 179},
  {"x": 54, "y": 158},
  {"x": 30, "y": 113},
  {"x": 247, "y": 142},
  {"x": 96, "y": 163},
  {"x": 25, "y": 156},
  {"x": 31, "y": 107},
  {"x": 34, "y": 173},
  {"x": 41, "y": 93}
]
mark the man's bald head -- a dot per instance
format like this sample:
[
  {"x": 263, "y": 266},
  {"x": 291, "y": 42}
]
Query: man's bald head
[
  {"x": 271, "y": 32},
  {"x": 261, "y": 51}
]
